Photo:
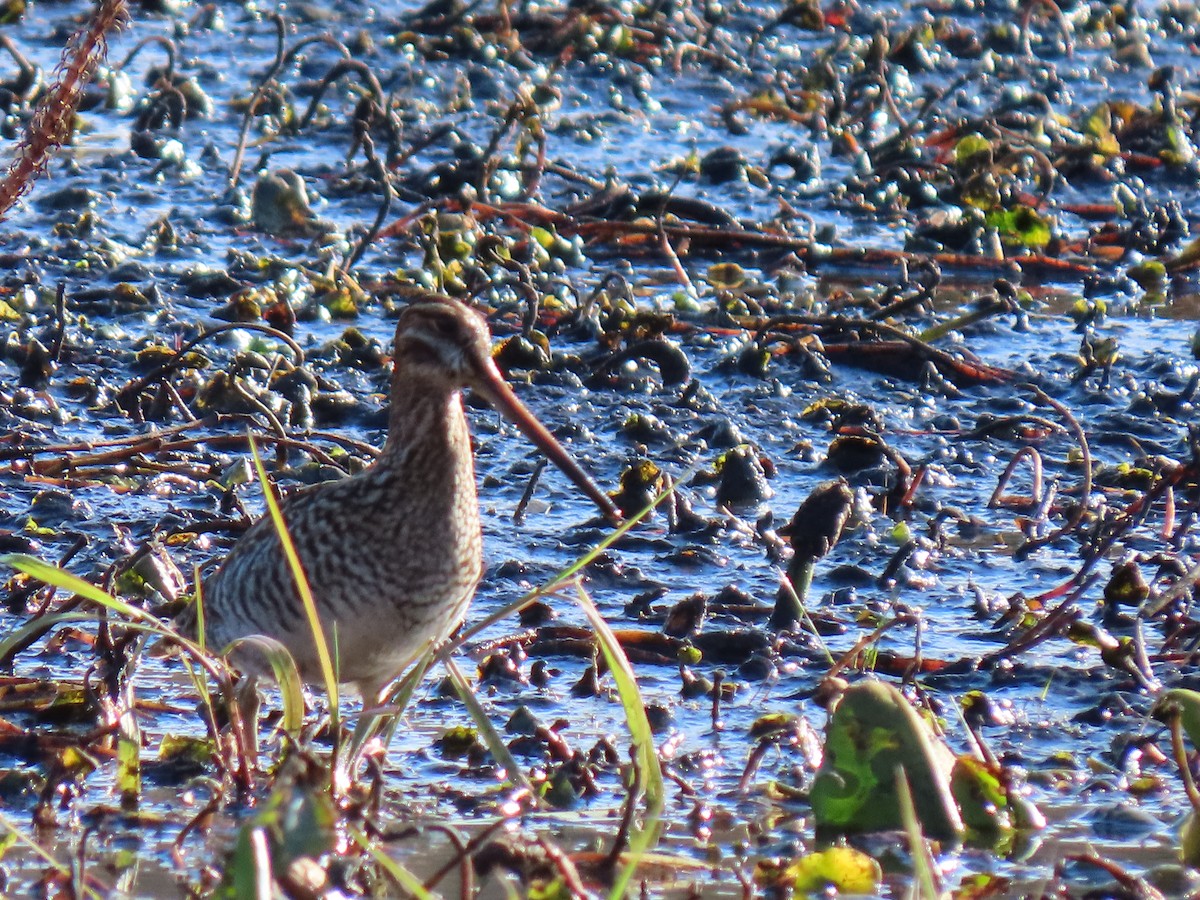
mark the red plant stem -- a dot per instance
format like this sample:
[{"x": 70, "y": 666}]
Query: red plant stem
[{"x": 54, "y": 119}]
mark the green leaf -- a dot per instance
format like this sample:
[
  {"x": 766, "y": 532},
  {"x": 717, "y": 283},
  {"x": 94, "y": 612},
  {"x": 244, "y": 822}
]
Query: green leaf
[
  {"x": 844, "y": 869},
  {"x": 727, "y": 276},
  {"x": 186, "y": 749},
  {"x": 77, "y": 763},
  {"x": 1177, "y": 149},
  {"x": 1098, "y": 126},
  {"x": 1022, "y": 225},
  {"x": 543, "y": 237},
  {"x": 872, "y": 732},
  {"x": 689, "y": 655},
  {"x": 971, "y": 149},
  {"x": 1150, "y": 274},
  {"x": 455, "y": 742},
  {"x": 981, "y": 796},
  {"x": 553, "y": 889}
]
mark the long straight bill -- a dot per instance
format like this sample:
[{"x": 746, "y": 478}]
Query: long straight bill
[{"x": 501, "y": 396}]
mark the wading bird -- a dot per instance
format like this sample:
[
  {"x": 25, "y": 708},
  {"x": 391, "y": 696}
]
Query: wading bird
[{"x": 392, "y": 554}]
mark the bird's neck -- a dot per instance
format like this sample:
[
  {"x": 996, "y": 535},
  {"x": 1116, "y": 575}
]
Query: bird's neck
[{"x": 426, "y": 421}]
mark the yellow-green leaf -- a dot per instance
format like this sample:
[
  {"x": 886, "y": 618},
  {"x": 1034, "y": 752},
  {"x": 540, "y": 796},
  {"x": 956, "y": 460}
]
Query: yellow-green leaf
[{"x": 846, "y": 870}]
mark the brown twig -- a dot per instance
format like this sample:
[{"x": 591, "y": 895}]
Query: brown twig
[
  {"x": 267, "y": 83},
  {"x": 1085, "y": 491},
  {"x": 54, "y": 120}
]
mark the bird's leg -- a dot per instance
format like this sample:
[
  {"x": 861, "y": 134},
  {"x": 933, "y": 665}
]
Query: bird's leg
[
  {"x": 366, "y": 729},
  {"x": 248, "y": 704}
]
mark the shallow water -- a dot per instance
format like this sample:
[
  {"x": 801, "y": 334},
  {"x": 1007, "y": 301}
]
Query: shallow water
[{"x": 637, "y": 119}]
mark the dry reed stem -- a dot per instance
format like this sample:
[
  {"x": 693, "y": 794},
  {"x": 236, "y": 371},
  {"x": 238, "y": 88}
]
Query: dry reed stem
[{"x": 52, "y": 123}]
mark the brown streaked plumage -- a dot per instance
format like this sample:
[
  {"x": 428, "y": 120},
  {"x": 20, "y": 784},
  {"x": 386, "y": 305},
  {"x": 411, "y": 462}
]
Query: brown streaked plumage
[{"x": 392, "y": 554}]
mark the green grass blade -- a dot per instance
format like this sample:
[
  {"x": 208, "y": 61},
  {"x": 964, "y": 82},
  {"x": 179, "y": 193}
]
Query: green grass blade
[
  {"x": 201, "y": 640},
  {"x": 621, "y": 530},
  {"x": 33, "y": 630},
  {"x": 650, "y": 779},
  {"x": 631, "y": 698},
  {"x": 201, "y": 619},
  {"x": 64, "y": 580},
  {"x": 487, "y": 731},
  {"x": 578, "y": 565},
  {"x": 925, "y": 882},
  {"x": 302, "y": 586}
]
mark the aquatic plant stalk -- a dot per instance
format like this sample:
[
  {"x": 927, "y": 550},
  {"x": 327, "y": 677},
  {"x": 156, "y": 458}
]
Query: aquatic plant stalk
[
  {"x": 1179, "y": 751},
  {"x": 54, "y": 120},
  {"x": 648, "y": 771},
  {"x": 302, "y": 587},
  {"x": 487, "y": 731},
  {"x": 925, "y": 887},
  {"x": 790, "y": 603},
  {"x": 134, "y": 618},
  {"x": 797, "y": 603}
]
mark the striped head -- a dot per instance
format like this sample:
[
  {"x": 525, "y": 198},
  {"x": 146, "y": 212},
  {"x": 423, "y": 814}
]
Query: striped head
[{"x": 440, "y": 339}]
